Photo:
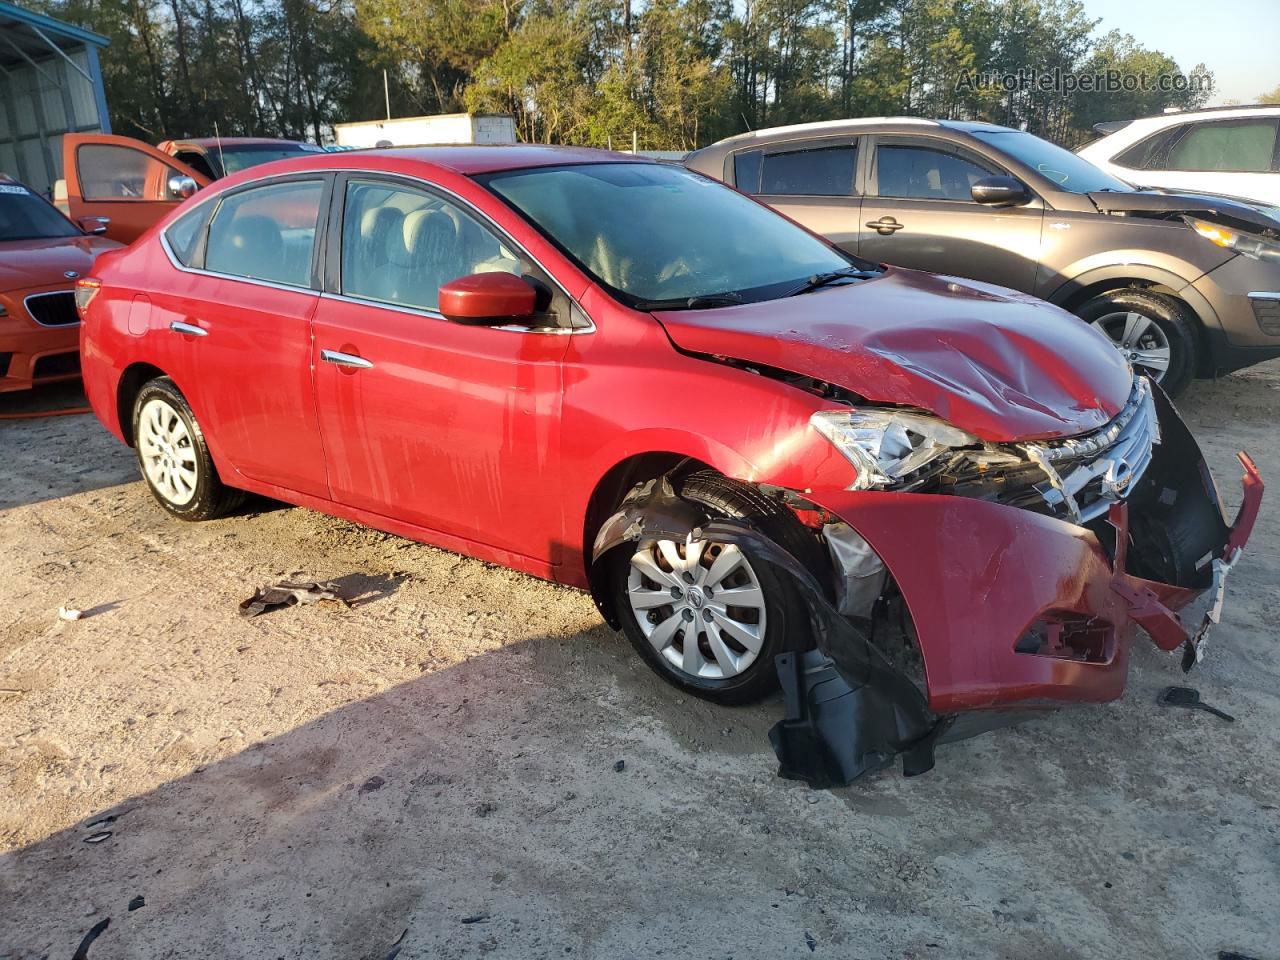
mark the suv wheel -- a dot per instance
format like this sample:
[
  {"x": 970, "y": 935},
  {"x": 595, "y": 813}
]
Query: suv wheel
[
  {"x": 174, "y": 458},
  {"x": 710, "y": 617},
  {"x": 1156, "y": 333}
]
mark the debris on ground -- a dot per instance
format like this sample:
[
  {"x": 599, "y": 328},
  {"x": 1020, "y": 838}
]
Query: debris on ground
[
  {"x": 1189, "y": 697},
  {"x": 395, "y": 947},
  {"x": 98, "y": 837},
  {"x": 476, "y": 918},
  {"x": 620, "y": 766},
  {"x": 137, "y": 903},
  {"x": 82, "y": 951},
  {"x": 372, "y": 784},
  {"x": 69, "y": 613},
  {"x": 286, "y": 593}
]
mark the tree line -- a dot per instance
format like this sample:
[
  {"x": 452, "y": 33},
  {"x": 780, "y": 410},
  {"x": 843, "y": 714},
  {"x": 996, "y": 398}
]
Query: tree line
[{"x": 676, "y": 74}]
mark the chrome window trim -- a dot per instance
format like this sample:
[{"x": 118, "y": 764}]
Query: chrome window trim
[
  {"x": 50, "y": 293},
  {"x": 437, "y": 315},
  {"x": 1264, "y": 295},
  {"x": 489, "y": 223},
  {"x": 179, "y": 265}
]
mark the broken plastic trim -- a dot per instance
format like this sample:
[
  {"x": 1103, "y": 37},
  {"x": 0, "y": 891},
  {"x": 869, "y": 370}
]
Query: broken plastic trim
[{"x": 848, "y": 709}]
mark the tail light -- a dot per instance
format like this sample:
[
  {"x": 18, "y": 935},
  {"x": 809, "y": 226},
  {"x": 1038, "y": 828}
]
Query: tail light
[{"x": 86, "y": 289}]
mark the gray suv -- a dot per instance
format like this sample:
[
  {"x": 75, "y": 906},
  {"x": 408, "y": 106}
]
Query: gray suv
[{"x": 1185, "y": 285}]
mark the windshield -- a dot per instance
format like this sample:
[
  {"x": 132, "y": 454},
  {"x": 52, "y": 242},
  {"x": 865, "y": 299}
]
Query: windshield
[
  {"x": 237, "y": 158},
  {"x": 655, "y": 233},
  {"x": 25, "y": 216},
  {"x": 1071, "y": 173}
]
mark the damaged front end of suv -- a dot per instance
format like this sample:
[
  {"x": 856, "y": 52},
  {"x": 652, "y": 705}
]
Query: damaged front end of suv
[{"x": 972, "y": 582}]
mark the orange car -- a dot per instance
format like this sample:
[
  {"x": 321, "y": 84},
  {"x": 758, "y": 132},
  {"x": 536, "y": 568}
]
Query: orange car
[{"x": 42, "y": 254}]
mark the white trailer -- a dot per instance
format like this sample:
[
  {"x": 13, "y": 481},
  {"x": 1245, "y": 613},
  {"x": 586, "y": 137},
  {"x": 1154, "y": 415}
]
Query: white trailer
[{"x": 476, "y": 128}]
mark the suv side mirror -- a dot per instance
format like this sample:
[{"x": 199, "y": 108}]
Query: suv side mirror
[
  {"x": 487, "y": 299},
  {"x": 182, "y": 187},
  {"x": 94, "y": 226},
  {"x": 1001, "y": 192}
]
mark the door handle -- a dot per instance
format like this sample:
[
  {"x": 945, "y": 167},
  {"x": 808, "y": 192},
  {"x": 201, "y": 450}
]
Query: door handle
[
  {"x": 177, "y": 326},
  {"x": 345, "y": 360},
  {"x": 885, "y": 226}
]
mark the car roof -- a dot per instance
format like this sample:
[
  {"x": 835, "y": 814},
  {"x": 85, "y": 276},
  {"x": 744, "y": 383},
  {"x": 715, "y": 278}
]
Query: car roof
[
  {"x": 467, "y": 160},
  {"x": 234, "y": 141},
  {"x": 823, "y": 126}
]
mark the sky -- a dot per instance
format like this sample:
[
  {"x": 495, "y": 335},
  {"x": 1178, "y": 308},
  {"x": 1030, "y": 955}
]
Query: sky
[{"x": 1236, "y": 39}]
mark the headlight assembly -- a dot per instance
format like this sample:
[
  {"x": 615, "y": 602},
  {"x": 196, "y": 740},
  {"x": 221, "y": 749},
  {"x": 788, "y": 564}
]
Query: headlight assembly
[
  {"x": 888, "y": 446},
  {"x": 1251, "y": 245}
]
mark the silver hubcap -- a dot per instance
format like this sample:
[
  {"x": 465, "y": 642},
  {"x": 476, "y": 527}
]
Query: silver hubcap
[
  {"x": 1140, "y": 339},
  {"x": 699, "y": 604},
  {"x": 168, "y": 455}
]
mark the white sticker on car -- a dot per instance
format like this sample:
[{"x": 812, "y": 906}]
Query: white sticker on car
[{"x": 14, "y": 188}]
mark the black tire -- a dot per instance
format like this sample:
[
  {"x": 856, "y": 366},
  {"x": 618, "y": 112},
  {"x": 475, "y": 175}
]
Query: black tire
[
  {"x": 1173, "y": 318},
  {"x": 787, "y": 625},
  {"x": 209, "y": 497}
]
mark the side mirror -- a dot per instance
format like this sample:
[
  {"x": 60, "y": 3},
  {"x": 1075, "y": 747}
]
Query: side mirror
[
  {"x": 182, "y": 187},
  {"x": 1001, "y": 192},
  {"x": 95, "y": 226},
  {"x": 489, "y": 299}
]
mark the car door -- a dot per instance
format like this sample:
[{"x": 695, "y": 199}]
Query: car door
[
  {"x": 447, "y": 426},
  {"x": 811, "y": 181},
  {"x": 122, "y": 180},
  {"x": 236, "y": 321},
  {"x": 919, "y": 213}
]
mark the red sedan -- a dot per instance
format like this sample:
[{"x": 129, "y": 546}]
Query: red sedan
[
  {"x": 909, "y": 496},
  {"x": 42, "y": 254}
]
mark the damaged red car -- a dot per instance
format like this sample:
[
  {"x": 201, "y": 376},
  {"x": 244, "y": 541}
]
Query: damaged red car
[{"x": 920, "y": 502}]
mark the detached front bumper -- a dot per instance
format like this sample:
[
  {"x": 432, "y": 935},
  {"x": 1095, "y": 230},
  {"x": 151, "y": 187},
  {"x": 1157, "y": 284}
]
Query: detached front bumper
[{"x": 1011, "y": 607}]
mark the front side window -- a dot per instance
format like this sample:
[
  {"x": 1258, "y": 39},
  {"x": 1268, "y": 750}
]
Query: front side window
[
  {"x": 814, "y": 172},
  {"x": 111, "y": 172},
  {"x": 400, "y": 245},
  {"x": 656, "y": 233},
  {"x": 1226, "y": 146},
  {"x": 25, "y": 216},
  {"x": 923, "y": 173},
  {"x": 267, "y": 233}
]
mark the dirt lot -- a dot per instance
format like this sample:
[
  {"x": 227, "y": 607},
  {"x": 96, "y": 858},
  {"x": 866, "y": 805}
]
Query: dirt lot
[{"x": 440, "y": 761}]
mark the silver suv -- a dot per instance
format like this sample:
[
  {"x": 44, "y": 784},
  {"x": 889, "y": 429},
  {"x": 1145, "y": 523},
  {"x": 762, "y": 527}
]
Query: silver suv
[{"x": 1184, "y": 285}]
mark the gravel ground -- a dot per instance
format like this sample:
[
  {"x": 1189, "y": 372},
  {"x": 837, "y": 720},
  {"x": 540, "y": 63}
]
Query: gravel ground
[{"x": 441, "y": 761}]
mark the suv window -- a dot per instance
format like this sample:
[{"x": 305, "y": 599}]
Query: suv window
[
  {"x": 1147, "y": 154},
  {"x": 267, "y": 233},
  {"x": 399, "y": 245},
  {"x": 924, "y": 173},
  {"x": 825, "y": 171},
  {"x": 1241, "y": 146},
  {"x": 111, "y": 172},
  {"x": 746, "y": 171}
]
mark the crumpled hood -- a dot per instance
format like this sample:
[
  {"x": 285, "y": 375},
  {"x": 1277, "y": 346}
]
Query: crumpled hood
[
  {"x": 1225, "y": 210},
  {"x": 38, "y": 263},
  {"x": 1002, "y": 365}
]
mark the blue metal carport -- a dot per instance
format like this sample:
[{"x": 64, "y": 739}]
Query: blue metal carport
[{"x": 50, "y": 85}]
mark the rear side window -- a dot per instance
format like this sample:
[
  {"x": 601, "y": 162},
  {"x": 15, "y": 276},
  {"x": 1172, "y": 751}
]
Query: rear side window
[
  {"x": 399, "y": 245},
  {"x": 746, "y": 171},
  {"x": 187, "y": 232},
  {"x": 267, "y": 233},
  {"x": 1238, "y": 146},
  {"x": 922, "y": 173},
  {"x": 814, "y": 172},
  {"x": 111, "y": 172}
]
